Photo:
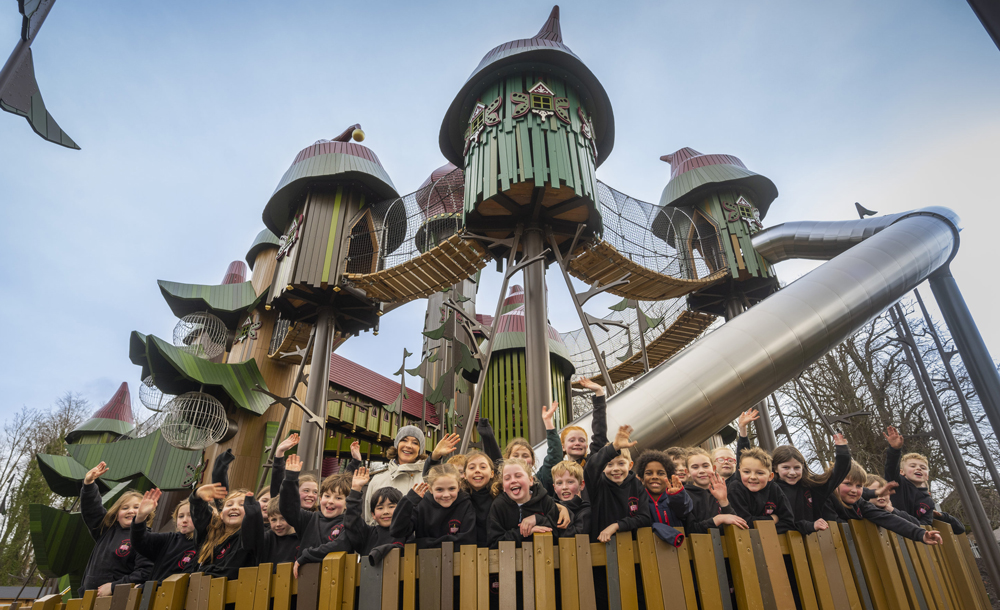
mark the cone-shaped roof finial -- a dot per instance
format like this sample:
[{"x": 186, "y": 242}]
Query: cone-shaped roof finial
[
  {"x": 551, "y": 30},
  {"x": 114, "y": 418}
]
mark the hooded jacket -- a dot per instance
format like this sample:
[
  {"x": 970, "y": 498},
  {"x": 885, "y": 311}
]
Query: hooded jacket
[
  {"x": 364, "y": 537},
  {"x": 432, "y": 524},
  {"x": 229, "y": 555},
  {"x": 506, "y": 515},
  {"x": 807, "y": 502},
  {"x": 667, "y": 512},
  {"x": 762, "y": 505},
  {"x": 862, "y": 509},
  {"x": 622, "y": 503},
  {"x": 401, "y": 476},
  {"x": 704, "y": 508},
  {"x": 113, "y": 559},
  {"x": 171, "y": 553},
  {"x": 267, "y": 546},
  {"x": 579, "y": 512},
  {"x": 916, "y": 501},
  {"x": 312, "y": 527}
]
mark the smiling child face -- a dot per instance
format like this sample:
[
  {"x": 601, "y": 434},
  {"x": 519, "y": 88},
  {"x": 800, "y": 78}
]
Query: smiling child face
[
  {"x": 575, "y": 445},
  {"x": 654, "y": 478},
  {"x": 332, "y": 504},
  {"x": 445, "y": 490},
  {"x": 617, "y": 469},
  {"x": 383, "y": 512},
  {"x": 916, "y": 472},
  {"x": 516, "y": 483},
  {"x": 700, "y": 470},
  {"x": 128, "y": 510},
  {"x": 232, "y": 512},
  {"x": 566, "y": 486},
  {"x": 308, "y": 491},
  {"x": 790, "y": 472},
  {"x": 754, "y": 475},
  {"x": 478, "y": 472},
  {"x": 183, "y": 523},
  {"x": 522, "y": 452}
]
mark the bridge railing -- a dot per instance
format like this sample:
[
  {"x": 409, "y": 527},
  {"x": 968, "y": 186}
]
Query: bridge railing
[{"x": 855, "y": 566}]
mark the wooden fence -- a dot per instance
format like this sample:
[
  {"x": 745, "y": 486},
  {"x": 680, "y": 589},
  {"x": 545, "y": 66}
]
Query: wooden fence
[{"x": 850, "y": 567}]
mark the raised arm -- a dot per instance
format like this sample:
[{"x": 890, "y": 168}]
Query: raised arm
[
  {"x": 554, "y": 452},
  {"x": 490, "y": 446},
  {"x": 892, "y": 454},
  {"x": 599, "y": 418},
  {"x": 148, "y": 544},
  {"x": 91, "y": 507},
  {"x": 743, "y": 440},
  {"x": 841, "y": 466},
  {"x": 896, "y": 524},
  {"x": 402, "y": 518},
  {"x": 354, "y": 517},
  {"x": 201, "y": 512},
  {"x": 278, "y": 466},
  {"x": 445, "y": 447},
  {"x": 288, "y": 495}
]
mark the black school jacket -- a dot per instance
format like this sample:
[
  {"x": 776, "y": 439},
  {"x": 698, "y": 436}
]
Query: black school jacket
[
  {"x": 229, "y": 555},
  {"x": 267, "y": 546},
  {"x": 704, "y": 508},
  {"x": 862, "y": 509},
  {"x": 761, "y": 505},
  {"x": 624, "y": 504},
  {"x": 171, "y": 553},
  {"x": 506, "y": 516},
  {"x": 364, "y": 537},
  {"x": 579, "y": 512},
  {"x": 482, "y": 501},
  {"x": 312, "y": 527},
  {"x": 916, "y": 501},
  {"x": 432, "y": 524},
  {"x": 807, "y": 503},
  {"x": 113, "y": 558}
]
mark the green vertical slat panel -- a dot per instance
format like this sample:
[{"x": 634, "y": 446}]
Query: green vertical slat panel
[
  {"x": 522, "y": 126},
  {"x": 550, "y": 147},
  {"x": 538, "y": 152},
  {"x": 504, "y": 165}
]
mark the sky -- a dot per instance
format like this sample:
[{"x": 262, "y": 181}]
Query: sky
[{"x": 188, "y": 115}]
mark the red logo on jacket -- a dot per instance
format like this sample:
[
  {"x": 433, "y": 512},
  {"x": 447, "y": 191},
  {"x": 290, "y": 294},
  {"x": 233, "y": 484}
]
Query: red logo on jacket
[
  {"x": 186, "y": 559},
  {"x": 769, "y": 508},
  {"x": 633, "y": 505},
  {"x": 335, "y": 532},
  {"x": 923, "y": 508},
  {"x": 454, "y": 525},
  {"x": 124, "y": 548}
]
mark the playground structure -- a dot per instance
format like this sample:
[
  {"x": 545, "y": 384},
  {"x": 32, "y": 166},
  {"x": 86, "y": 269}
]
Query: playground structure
[{"x": 524, "y": 137}]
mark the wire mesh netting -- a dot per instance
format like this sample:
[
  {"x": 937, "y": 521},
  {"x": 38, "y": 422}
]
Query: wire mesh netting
[{"x": 670, "y": 241}]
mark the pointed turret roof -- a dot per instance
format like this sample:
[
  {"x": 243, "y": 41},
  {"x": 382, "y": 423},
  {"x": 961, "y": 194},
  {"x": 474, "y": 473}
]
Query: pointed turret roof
[
  {"x": 545, "y": 47},
  {"x": 115, "y": 417},
  {"x": 692, "y": 174},
  {"x": 236, "y": 273}
]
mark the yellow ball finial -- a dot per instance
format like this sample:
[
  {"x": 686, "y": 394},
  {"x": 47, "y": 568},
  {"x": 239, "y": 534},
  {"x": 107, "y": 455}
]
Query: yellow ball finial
[{"x": 358, "y": 135}]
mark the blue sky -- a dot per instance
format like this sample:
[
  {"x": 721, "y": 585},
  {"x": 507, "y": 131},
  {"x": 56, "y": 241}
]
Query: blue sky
[{"x": 188, "y": 116}]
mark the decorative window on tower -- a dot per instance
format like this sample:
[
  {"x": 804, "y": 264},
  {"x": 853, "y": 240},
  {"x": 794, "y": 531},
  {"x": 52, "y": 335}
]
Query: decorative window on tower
[
  {"x": 749, "y": 215},
  {"x": 543, "y": 102}
]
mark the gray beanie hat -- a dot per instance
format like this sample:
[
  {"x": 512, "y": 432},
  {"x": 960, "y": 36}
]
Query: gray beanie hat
[{"x": 410, "y": 431}]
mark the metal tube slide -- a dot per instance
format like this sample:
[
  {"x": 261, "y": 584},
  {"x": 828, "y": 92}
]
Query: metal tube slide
[{"x": 872, "y": 263}]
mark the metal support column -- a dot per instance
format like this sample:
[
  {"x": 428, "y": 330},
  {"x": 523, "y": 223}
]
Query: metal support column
[
  {"x": 953, "y": 378},
  {"x": 734, "y": 306},
  {"x": 965, "y": 333},
  {"x": 538, "y": 370},
  {"x": 963, "y": 482},
  {"x": 313, "y": 438}
]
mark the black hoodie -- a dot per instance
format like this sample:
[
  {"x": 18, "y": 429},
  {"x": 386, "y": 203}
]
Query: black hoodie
[
  {"x": 762, "y": 505},
  {"x": 862, "y": 509},
  {"x": 267, "y": 546},
  {"x": 312, "y": 527},
  {"x": 622, "y": 503},
  {"x": 433, "y": 524},
  {"x": 171, "y": 553},
  {"x": 229, "y": 555},
  {"x": 506, "y": 515},
  {"x": 113, "y": 558},
  {"x": 807, "y": 501},
  {"x": 916, "y": 501},
  {"x": 704, "y": 508},
  {"x": 363, "y": 537},
  {"x": 579, "y": 512}
]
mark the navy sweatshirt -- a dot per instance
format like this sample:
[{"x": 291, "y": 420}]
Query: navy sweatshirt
[
  {"x": 312, "y": 527},
  {"x": 667, "y": 512},
  {"x": 704, "y": 508},
  {"x": 761, "y": 505},
  {"x": 113, "y": 558},
  {"x": 807, "y": 503},
  {"x": 862, "y": 509},
  {"x": 171, "y": 553},
  {"x": 267, "y": 546},
  {"x": 622, "y": 503},
  {"x": 916, "y": 501},
  {"x": 506, "y": 515},
  {"x": 432, "y": 524}
]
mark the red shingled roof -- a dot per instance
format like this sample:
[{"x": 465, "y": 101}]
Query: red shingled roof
[
  {"x": 379, "y": 388},
  {"x": 119, "y": 407}
]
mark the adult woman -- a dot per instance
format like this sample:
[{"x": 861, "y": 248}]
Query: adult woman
[{"x": 405, "y": 465}]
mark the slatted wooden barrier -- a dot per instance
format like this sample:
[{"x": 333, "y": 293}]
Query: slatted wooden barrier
[{"x": 849, "y": 567}]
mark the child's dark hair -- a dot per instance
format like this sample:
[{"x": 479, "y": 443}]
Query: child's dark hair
[
  {"x": 652, "y": 455},
  {"x": 339, "y": 483},
  {"x": 381, "y": 495},
  {"x": 787, "y": 453}
]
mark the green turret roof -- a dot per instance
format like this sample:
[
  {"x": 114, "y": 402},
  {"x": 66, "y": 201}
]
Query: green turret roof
[
  {"x": 229, "y": 302},
  {"x": 264, "y": 239}
]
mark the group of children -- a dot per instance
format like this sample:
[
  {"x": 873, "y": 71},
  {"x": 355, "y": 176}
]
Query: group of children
[{"x": 487, "y": 496}]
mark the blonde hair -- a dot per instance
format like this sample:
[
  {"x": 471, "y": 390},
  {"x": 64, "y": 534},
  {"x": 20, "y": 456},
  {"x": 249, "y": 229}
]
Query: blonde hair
[
  {"x": 722, "y": 448},
  {"x": 568, "y": 467},
  {"x": 498, "y": 480},
  {"x": 756, "y": 453},
  {"x": 217, "y": 531},
  {"x": 874, "y": 478},
  {"x": 112, "y": 515},
  {"x": 471, "y": 455},
  {"x": 693, "y": 451},
  {"x": 173, "y": 516},
  {"x": 440, "y": 471},
  {"x": 459, "y": 461},
  {"x": 272, "y": 508},
  {"x": 915, "y": 456},
  {"x": 857, "y": 474},
  {"x": 519, "y": 441}
]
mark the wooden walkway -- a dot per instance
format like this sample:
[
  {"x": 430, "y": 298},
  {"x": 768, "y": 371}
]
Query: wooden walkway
[
  {"x": 848, "y": 567},
  {"x": 443, "y": 266},
  {"x": 682, "y": 332},
  {"x": 601, "y": 264}
]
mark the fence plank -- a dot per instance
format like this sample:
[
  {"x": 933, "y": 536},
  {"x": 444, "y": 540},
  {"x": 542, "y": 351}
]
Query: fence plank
[
  {"x": 390, "y": 580},
  {"x": 669, "y": 570},
  {"x": 970, "y": 560},
  {"x": 687, "y": 575},
  {"x": 911, "y": 583},
  {"x": 611, "y": 576},
  {"x": 866, "y": 553},
  {"x": 831, "y": 563},
  {"x": 763, "y": 576},
  {"x": 935, "y": 593},
  {"x": 331, "y": 578},
  {"x": 507, "y": 576},
  {"x": 370, "y": 587},
  {"x": 569, "y": 582},
  {"x": 545, "y": 571},
  {"x": 720, "y": 569},
  {"x": 50, "y": 602},
  {"x": 626, "y": 570},
  {"x": 217, "y": 595},
  {"x": 134, "y": 597},
  {"x": 528, "y": 576},
  {"x": 770, "y": 543},
  {"x": 262, "y": 592},
  {"x": 194, "y": 591},
  {"x": 119, "y": 597},
  {"x": 744, "y": 569},
  {"x": 101, "y": 603},
  {"x": 855, "y": 565},
  {"x": 244, "y": 594},
  {"x": 282, "y": 587},
  {"x": 468, "y": 594},
  {"x": 840, "y": 551},
  {"x": 886, "y": 560},
  {"x": 705, "y": 571},
  {"x": 171, "y": 593},
  {"x": 308, "y": 597},
  {"x": 430, "y": 578},
  {"x": 824, "y": 593},
  {"x": 585, "y": 573},
  {"x": 73, "y": 604},
  {"x": 447, "y": 575},
  {"x": 409, "y": 577},
  {"x": 87, "y": 603},
  {"x": 955, "y": 564},
  {"x": 349, "y": 581},
  {"x": 204, "y": 593},
  {"x": 483, "y": 579},
  {"x": 937, "y": 554},
  {"x": 649, "y": 568}
]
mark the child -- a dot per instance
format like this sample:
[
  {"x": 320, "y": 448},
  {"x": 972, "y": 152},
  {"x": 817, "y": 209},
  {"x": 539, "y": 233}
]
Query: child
[
  {"x": 709, "y": 496},
  {"x": 307, "y": 483},
  {"x": 372, "y": 540},
  {"x": 277, "y": 544},
  {"x": 478, "y": 483},
  {"x": 445, "y": 514},
  {"x": 523, "y": 509},
  {"x": 175, "y": 552},
  {"x": 223, "y": 553},
  {"x": 320, "y": 527},
  {"x": 725, "y": 462},
  {"x": 406, "y": 465},
  {"x": 807, "y": 493},
  {"x": 521, "y": 449},
  {"x": 912, "y": 473},
  {"x": 876, "y": 494},
  {"x": 678, "y": 455},
  {"x": 113, "y": 561},
  {"x": 614, "y": 490},
  {"x": 263, "y": 496},
  {"x": 743, "y": 440},
  {"x": 567, "y": 481},
  {"x": 668, "y": 502},
  {"x": 754, "y": 498},
  {"x": 850, "y": 505}
]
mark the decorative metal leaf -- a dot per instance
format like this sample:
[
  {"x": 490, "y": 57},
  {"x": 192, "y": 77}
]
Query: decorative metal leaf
[
  {"x": 622, "y": 306},
  {"x": 466, "y": 361},
  {"x": 439, "y": 333},
  {"x": 437, "y": 396}
]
